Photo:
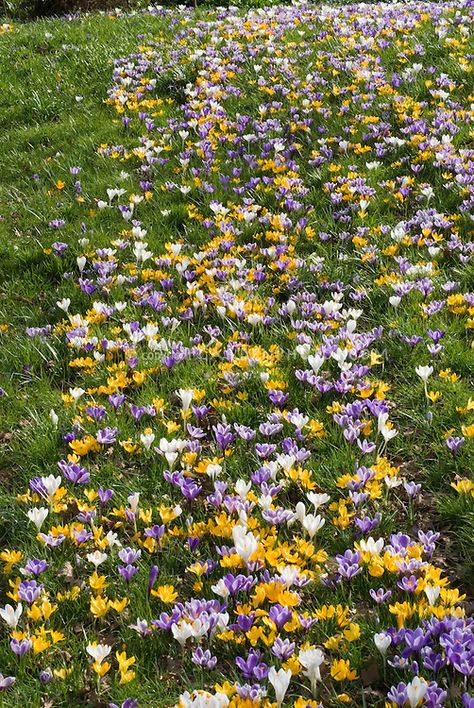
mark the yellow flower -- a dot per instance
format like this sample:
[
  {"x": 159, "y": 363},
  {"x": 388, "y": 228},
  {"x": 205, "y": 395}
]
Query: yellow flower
[
  {"x": 10, "y": 558},
  {"x": 99, "y": 606},
  {"x": 124, "y": 662},
  {"x": 165, "y": 593},
  {"x": 101, "y": 669},
  {"x": 341, "y": 670},
  {"x": 97, "y": 582}
]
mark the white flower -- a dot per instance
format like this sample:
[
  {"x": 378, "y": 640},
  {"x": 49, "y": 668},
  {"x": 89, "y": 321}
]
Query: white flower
[
  {"x": 213, "y": 470},
  {"x": 382, "y": 642},
  {"x": 311, "y": 660},
  {"x": 392, "y": 482},
  {"x": 432, "y": 593},
  {"x": 312, "y": 524},
  {"x": 186, "y": 396},
  {"x": 96, "y": 558},
  {"x": 416, "y": 691},
  {"x": 76, "y": 393},
  {"x": 51, "y": 485},
  {"x": 11, "y": 616},
  {"x": 220, "y": 588},
  {"x": 37, "y": 515},
  {"x": 64, "y": 304},
  {"x": 242, "y": 488},
  {"x": 133, "y": 501},
  {"x": 98, "y": 652},
  {"x": 54, "y": 417},
  {"x": 388, "y": 433},
  {"x": 147, "y": 440},
  {"x": 245, "y": 543},
  {"x": 182, "y": 632},
  {"x": 280, "y": 681},
  {"x": 315, "y": 362},
  {"x": 395, "y": 300},
  {"x": 317, "y": 500},
  {"x": 424, "y": 372},
  {"x": 371, "y": 545},
  {"x": 202, "y": 699},
  {"x": 112, "y": 539},
  {"x": 81, "y": 262}
]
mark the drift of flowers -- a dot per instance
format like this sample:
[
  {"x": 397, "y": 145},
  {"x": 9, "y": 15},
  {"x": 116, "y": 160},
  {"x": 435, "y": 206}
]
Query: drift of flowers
[{"x": 230, "y": 506}]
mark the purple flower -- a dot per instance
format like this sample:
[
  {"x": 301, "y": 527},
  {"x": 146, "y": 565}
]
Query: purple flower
[
  {"x": 280, "y": 615},
  {"x": 34, "y": 567},
  {"x": 129, "y": 555},
  {"x": 252, "y": 667},
  {"x": 453, "y": 443},
  {"x": 380, "y": 595},
  {"x": 22, "y": 647},
  {"x": 29, "y": 591},
  {"x": 46, "y": 676},
  {"x": 152, "y": 576},
  {"x": 127, "y": 572},
  {"x": 6, "y": 681},
  {"x": 283, "y": 649},
  {"x": 107, "y": 436},
  {"x": 204, "y": 659}
]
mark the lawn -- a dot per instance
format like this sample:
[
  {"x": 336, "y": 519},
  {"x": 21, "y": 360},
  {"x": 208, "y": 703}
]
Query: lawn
[{"x": 236, "y": 317}]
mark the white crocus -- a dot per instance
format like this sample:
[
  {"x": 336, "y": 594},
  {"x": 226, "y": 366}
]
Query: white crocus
[
  {"x": 312, "y": 524},
  {"x": 311, "y": 660},
  {"x": 370, "y": 545},
  {"x": 76, "y": 393},
  {"x": 98, "y": 652},
  {"x": 186, "y": 396},
  {"x": 432, "y": 593},
  {"x": 382, "y": 642},
  {"x": 317, "y": 500},
  {"x": 96, "y": 558},
  {"x": 424, "y": 372},
  {"x": 182, "y": 632},
  {"x": 213, "y": 470},
  {"x": 64, "y": 304},
  {"x": 245, "y": 543},
  {"x": 416, "y": 690},
  {"x": 37, "y": 516},
  {"x": 147, "y": 439},
  {"x": 51, "y": 485},
  {"x": 10, "y": 615},
  {"x": 280, "y": 681},
  {"x": 315, "y": 362}
]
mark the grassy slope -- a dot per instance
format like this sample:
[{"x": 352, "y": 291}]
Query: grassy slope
[{"x": 45, "y": 131}]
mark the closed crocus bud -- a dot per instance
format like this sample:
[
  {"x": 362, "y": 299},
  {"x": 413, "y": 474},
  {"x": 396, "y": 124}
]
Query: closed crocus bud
[
  {"x": 280, "y": 681},
  {"x": 54, "y": 417},
  {"x": 152, "y": 576},
  {"x": 382, "y": 642},
  {"x": 186, "y": 396},
  {"x": 81, "y": 262}
]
